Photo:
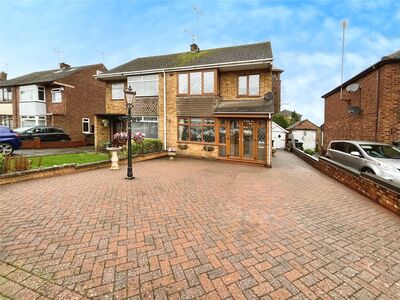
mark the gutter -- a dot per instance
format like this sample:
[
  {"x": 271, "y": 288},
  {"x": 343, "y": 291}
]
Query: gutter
[
  {"x": 165, "y": 110},
  {"x": 185, "y": 68}
]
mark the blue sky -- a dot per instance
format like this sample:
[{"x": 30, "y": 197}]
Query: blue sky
[{"x": 306, "y": 36}]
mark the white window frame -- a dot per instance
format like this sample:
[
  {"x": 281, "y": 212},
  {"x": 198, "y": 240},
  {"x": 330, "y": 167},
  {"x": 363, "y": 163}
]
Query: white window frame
[
  {"x": 86, "y": 121},
  {"x": 34, "y": 91},
  {"x": 5, "y": 95},
  {"x": 134, "y": 80},
  {"x": 56, "y": 95},
  {"x": 117, "y": 91},
  {"x": 35, "y": 118}
]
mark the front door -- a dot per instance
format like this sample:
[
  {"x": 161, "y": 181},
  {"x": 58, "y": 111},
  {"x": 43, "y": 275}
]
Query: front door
[{"x": 242, "y": 139}]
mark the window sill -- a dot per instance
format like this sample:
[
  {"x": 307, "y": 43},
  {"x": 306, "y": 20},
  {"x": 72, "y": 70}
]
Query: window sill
[{"x": 248, "y": 96}]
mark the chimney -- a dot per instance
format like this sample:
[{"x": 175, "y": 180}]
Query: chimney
[
  {"x": 194, "y": 48},
  {"x": 64, "y": 66},
  {"x": 3, "y": 76}
]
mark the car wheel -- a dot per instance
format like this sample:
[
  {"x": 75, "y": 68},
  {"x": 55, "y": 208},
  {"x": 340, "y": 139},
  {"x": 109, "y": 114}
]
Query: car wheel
[
  {"x": 368, "y": 171},
  {"x": 6, "y": 148}
]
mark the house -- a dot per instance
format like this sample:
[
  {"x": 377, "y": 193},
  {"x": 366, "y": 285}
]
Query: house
[
  {"x": 278, "y": 136},
  {"x": 214, "y": 103},
  {"x": 67, "y": 98},
  {"x": 367, "y": 106},
  {"x": 305, "y": 132}
]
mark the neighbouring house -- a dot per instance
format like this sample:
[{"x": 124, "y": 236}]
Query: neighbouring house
[
  {"x": 215, "y": 103},
  {"x": 67, "y": 98},
  {"x": 305, "y": 132},
  {"x": 367, "y": 106},
  {"x": 288, "y": 114},
  {"x": 278, "y": 136}
]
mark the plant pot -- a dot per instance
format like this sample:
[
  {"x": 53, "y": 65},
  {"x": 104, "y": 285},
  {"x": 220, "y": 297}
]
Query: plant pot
[{"x": 172, "y": 155}]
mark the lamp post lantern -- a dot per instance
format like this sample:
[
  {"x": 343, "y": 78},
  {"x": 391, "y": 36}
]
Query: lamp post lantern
[{"x": 129, "y": 97}]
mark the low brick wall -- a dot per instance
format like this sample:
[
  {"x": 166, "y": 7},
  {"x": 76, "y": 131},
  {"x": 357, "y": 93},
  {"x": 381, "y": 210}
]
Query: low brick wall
[
  {"x": 373, "y": 187},
  {"x": 37, "y": 144},
  {"x": 68, "y": 169}
]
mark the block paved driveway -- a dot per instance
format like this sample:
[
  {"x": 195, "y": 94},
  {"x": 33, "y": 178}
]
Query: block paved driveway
[{"x": 195, "y": 228}]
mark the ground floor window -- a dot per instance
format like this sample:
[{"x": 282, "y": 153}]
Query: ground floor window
[
  {"x": 196, "y": 129},
  {"x": 6, "y": 120},
  {"x": 30, "y": 121},
  {"x": 146, "y": 125}
]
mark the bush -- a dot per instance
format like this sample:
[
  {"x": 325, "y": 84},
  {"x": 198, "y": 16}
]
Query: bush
[
  {"x": 147, "y": 146},
  {"x": 15, "y": 164},
  {"x": 309, "y": 151},
  {"x": 1, "y": 163}
]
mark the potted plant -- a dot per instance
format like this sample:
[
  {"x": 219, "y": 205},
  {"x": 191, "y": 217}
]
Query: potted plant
[
  {"x": 120, "y": 139},
  {"x": 171, "y": 153}
]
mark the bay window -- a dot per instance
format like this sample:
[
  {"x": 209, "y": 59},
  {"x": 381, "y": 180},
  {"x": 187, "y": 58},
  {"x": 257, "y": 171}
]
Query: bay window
[
  {"x": 196, "y": 129},
  {"x": 5, "y": 95},
  {"x": 197, "y": 83},
  {"x": 32, "y": 93}
]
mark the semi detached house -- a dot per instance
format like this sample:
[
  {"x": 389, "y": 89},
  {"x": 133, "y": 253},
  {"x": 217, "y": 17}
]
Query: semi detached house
[{"x": 215, "y": 103}]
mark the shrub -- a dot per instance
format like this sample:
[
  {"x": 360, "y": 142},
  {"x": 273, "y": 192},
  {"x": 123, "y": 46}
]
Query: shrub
[
  {"x": 15, "y": 164},
  {"x": 1, "y": 163},
  {"x": 147, "y": 146},
  {"x": 309, "y": 151}
]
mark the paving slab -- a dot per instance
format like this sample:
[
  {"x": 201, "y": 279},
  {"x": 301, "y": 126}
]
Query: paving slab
[{"x": 194, "y": 228}]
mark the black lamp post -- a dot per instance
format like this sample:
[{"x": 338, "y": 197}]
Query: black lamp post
[{"x": 129, "y": 97}]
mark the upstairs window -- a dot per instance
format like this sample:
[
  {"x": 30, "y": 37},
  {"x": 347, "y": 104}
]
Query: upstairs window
[
  {"x": 56, "y": 96},
  {"x": 32, "y": 93},
  {"x": 197, "y": 83},
  {"x": 117, "y": 91},
  {"x": 5, "y": 95},
  {"x": 249, "y": 85},
  {"x": 144, "y": 85}
]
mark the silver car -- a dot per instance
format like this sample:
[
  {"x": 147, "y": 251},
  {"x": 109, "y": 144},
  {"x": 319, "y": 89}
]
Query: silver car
[{"x": 370, "y": 157}]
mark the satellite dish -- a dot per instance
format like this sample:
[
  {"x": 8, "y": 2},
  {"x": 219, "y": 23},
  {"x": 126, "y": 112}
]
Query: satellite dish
[
  {"x": 351, "y": 88},
  {"x": 269, "y": 96},
  {"x": 354, "y": 110}
]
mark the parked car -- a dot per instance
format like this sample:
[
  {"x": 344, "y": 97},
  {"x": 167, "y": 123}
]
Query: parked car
[
  {"x": 9, "y": 141},
  {"x": 370, "y": 157},
  {"x": 45, "y": 133}
]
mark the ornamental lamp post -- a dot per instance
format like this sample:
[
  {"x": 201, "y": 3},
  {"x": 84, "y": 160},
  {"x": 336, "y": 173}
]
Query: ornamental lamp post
[{"x": 129, "y": 97}]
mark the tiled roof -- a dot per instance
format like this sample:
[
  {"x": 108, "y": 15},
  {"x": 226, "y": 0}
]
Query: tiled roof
[
  {"x": 43, "y": 76},
  {"x": 245, "y": 106},
  {"x": 303, "y": 125},
  {"x": 196, "y": 106},
  {"x": 202, "y": 57},
  {"x": 288, "y": 113},
  {"x": 394, "y": 55}
]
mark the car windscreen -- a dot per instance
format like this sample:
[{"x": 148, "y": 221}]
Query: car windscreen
[{"x": 381, "y": 151}]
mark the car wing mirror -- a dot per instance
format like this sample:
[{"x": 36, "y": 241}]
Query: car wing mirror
[{"x": 355, "y": 153}]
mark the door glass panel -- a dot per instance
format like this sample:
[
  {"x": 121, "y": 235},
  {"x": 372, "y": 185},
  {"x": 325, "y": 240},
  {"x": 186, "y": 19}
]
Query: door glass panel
[
  {"x": 221, "y": 150},
  {"x": 234, "y": 136},
  {"x": 261, "y": 143},
  {"x": 248, "y": 138}
]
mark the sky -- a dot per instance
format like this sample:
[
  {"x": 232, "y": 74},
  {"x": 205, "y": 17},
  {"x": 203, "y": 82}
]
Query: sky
[{"x": 306, "y": 36}]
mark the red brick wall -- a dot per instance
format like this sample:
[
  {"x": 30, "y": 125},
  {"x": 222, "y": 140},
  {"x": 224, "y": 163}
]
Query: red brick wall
[
  {"x": 378, "y": 99},
  {"x": 371, "y": 186},
  {"x": 83, "y": 101}
]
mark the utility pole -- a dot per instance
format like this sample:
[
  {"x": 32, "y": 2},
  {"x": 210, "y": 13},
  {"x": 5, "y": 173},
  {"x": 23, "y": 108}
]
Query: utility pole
[{"x": 344, "y": 25}]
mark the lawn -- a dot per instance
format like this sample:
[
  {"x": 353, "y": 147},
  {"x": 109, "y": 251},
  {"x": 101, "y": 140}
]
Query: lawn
[{"x": 56, "y": 160}]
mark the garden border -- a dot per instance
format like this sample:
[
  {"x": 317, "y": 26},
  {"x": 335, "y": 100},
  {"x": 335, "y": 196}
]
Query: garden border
[{"x": 69, "y": 169}]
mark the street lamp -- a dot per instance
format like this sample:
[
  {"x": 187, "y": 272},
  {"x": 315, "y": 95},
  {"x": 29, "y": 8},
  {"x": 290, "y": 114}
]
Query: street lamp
[{"x": 129, "y": 97}]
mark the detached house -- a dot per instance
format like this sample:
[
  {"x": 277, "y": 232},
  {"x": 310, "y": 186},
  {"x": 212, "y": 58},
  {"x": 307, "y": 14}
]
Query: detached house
[
  {"x": 67, "y": 98},
  {"x": 209, "y": 103},
  {"x": 367, "y": 106}
]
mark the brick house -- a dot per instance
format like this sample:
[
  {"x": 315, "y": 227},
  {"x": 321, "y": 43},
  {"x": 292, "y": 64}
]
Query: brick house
[
  {"x": 67, "y": 98},
  {"x": 368, "y": 107},
  {"x": 214, "y": 103}
]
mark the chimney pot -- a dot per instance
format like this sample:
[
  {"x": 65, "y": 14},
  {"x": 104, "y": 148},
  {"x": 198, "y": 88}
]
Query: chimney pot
[
  {"x": 64, "y": 66},
  {"x": 194, "y": 48},
  {"x": 3, "y": 76}
]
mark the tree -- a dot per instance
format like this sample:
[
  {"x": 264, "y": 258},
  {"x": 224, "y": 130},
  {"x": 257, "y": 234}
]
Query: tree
[
  {"x": 295, "y": 117},
  {"x": 280, "y": 120}
]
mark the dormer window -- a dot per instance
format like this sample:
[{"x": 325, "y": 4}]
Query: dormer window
[{"x": 197, "y": 83}]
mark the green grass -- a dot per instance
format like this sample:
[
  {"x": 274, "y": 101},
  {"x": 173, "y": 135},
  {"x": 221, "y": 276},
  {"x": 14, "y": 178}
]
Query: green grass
[{"x": 57, "y": 160}]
